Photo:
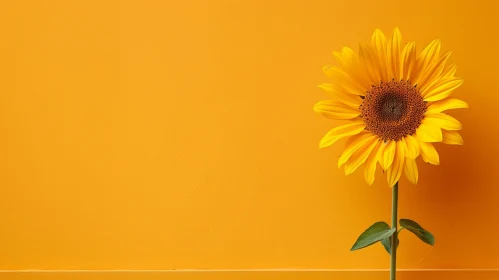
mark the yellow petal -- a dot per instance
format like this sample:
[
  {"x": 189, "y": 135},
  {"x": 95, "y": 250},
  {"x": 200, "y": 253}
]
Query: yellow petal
[
  {"x": 430, "y": 53},
  {"x": 443, "y": 121},
  {"x": 404, "y": 145},
  {"x": 430, "y": 76},
  {"x": 408, "y": 60},
  {"x": 411, "y": 170},
  {"x": 442, "y": 89},
  {"x": 343, "y": 81},
  {"x": 449, "y": 71},
  {"x": 351, "y": 100},
  {"x": 388, "y": 152},
  {"x": 426, "y": 59},
  {"x": 367, "y": 58},
  {"x": 412, "y": 147},
  {"x": 345, "y": 58},
  {"x": 379, "y": 44},
  {"x": 335, "y": 110},
  {"x": 452, "y": 138},
  {"x": 429, "y": 153},
  {"x": 355, "y": 144},
  {"x": 446, "y": 104},
  {"x": 360, "y": 156},
  {"x": 349, "y": 60},
  {"x": 342, "y": 59},
  {"x": 429, "y": 133},
  {"x": 394, "y": 55},
  {"x": 370, "y": 165},
  {"x": 339, "y": 132},
  {"x": 395, "y": 171}
]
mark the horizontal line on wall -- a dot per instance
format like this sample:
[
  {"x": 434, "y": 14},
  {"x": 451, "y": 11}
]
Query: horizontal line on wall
[{"x": 244, "y": 270}]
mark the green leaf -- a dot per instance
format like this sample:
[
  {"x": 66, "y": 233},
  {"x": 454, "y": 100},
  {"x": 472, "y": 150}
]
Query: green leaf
[
  {"x": 378, "y": 231},
  {"x": 387, "y": 243},
  {"x": 418, "y": 230}
]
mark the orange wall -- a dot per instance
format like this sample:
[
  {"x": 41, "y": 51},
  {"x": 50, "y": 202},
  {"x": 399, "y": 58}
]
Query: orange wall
[{"x": 180, "y": 134}]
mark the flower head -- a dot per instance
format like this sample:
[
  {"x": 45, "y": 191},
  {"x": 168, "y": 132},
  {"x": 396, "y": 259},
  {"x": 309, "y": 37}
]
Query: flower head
[{"x": 394, "y": 102}]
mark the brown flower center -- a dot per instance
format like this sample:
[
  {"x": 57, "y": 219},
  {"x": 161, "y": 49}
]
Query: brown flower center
[{"x": 393, "y": 110}]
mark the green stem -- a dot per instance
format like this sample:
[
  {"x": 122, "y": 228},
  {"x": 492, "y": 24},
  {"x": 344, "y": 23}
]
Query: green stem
[{"x": 393, "y": 258}]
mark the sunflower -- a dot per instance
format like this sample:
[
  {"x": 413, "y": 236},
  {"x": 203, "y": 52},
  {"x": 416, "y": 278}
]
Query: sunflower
[{"x": 394, "y": 102}]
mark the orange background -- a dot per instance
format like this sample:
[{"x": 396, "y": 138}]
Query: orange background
[{"x": 180, "y": 134}]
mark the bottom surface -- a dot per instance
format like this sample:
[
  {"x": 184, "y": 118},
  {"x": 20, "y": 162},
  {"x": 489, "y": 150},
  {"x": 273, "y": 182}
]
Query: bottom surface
[{"x": 247, "y": 275}]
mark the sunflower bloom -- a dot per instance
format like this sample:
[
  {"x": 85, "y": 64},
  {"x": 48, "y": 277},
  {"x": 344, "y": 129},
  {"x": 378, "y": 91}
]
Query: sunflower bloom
[{"x": 394, "y": 102}]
